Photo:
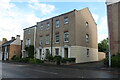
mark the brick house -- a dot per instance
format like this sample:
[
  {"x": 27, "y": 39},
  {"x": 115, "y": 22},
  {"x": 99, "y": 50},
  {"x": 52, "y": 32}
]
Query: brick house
[
  {"x": 11, "y": 48},
  {"x": 70, "y": 35}
]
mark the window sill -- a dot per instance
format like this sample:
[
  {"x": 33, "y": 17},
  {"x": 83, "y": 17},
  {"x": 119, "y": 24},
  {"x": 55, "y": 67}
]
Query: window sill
[
  {"x": 66, "y": 41},
  {"x": 66, "y": 23},
  {"x": 57, "y": 42}
]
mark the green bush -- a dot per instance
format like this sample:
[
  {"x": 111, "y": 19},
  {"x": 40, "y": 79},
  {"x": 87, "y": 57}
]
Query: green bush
[
  {"x": 31, "y": 51},
  {"x": 115, "y": 61},
  {"x": 50, "y": 58},
  {"x": 65, "y": 60},
  {"x": 16, "y": 58},
  {"x": 71, "y": 59},
  {"x": 25, "y": 60},
  {"x": 57, "y": 59},
  {"x": 35, "y": 61}
]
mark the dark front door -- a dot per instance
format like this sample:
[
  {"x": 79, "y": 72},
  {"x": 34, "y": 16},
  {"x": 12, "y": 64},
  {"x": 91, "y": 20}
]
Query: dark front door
[{"x": 66, "y": 52}]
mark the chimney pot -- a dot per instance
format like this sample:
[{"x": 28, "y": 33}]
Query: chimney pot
[
  {"x": 12, "y": 38},
  {"x": 18, "y": 35}
]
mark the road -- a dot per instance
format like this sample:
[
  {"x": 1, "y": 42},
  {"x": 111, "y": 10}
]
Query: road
[{"x": 13, "y": 70}]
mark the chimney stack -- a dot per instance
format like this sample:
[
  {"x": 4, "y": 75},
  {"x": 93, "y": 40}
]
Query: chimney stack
[
  {"x": 4, "y": 40},
  {"x": 12, "y": 38},
  {"x": 17, "y": 36}
]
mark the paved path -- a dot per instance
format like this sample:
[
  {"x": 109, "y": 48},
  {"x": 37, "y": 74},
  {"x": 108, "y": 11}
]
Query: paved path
[{"x": 14, "y": 70}]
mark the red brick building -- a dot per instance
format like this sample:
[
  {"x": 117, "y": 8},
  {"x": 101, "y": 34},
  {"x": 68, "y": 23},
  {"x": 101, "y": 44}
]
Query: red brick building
[
  {"x": 113, "y": 10},
  {"x": 11, "y": 48}
]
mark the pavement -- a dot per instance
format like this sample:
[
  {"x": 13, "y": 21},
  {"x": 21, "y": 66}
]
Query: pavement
[{"x": 88, "y": 70}]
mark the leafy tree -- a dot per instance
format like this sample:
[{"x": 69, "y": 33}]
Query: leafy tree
[
  {"x": 30, "y": 51},
  {"x": 103, "y": 46}
]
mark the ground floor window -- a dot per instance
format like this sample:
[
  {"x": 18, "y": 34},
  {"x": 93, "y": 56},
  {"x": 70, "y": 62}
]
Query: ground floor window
[
  {"x": 57, "y": 51},
  {"x": 87, "y": 52}
]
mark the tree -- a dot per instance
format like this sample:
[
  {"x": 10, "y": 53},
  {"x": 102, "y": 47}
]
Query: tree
[
  {"x": 30, "y": 50},
  {"x": 103, "y": 46}
]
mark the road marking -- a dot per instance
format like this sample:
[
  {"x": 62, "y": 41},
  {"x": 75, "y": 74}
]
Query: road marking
[
  {"x": 48, "y": 72},
  {"x": 44, "y": 71}
]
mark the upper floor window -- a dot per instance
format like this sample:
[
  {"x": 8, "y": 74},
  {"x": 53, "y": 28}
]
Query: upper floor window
[
  {"x": 41, "y": 40},
  {"x": 48, "y": 26},
  {"x": 66, "y": 36},
  {"x": 28, "y": 31},
  {"x": 57, "y": 51},
  {"x": 57, "y": 23},
  {"x": 57, "y": 38},
  {"x": 28, "y": 42},
  {"x": 41, "y": 27},
  {"x": 86, "y": 23},
  {"x": 65, "y": 20},
  {"x": 47, "y": 39},
  {"x": 87, "y": 38}
]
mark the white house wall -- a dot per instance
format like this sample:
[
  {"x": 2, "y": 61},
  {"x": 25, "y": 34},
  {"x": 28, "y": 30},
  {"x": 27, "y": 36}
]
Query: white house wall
[{"x": 17, "y": 41}]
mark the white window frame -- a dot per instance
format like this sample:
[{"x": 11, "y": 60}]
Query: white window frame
[
  {"x": 28, "y": 42},
  {"x": 47, "y": 39},
  {"x": 66, "y": 20},
  {"x": 41, "y": 40},
  {"x": 57, "y": 37},
  {"x": 57, "y": 23},
  {"x": 87, "y": 37},
  {"x": 56, "y": 51},
  {"x": 66, "y": 35}
]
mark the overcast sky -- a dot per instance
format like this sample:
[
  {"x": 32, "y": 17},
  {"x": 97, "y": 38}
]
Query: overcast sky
[{"x": 15, "y": 16}]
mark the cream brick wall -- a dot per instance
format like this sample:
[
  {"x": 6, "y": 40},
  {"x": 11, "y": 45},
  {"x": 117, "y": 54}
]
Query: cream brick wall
[
  {"x": 80, "y": 53},
  {"x": 101, "y": 56}
]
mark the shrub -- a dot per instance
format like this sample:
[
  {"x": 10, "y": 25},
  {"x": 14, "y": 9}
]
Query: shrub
[
  {"x": 25, "y": 60},
  {"x": 35, "y": 61},
  {"x": 31, "y": 51},
  {"x": 49, "y": 58},
  {"x": 16, "y": 58},
  {"x": 71, "y": 59},
  {"x": 65, "y": 60},
  {"x": 115, "y": 61},
  {"x": 58, "y": 59}
]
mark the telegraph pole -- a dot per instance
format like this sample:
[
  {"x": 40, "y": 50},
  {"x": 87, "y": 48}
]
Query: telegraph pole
[{"x": 51, "y": 36}]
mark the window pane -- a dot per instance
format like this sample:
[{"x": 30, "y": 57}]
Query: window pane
[
  {"x": 41, "y": 27},
  {"x": 66, "y": 36},
  {"x": 87, "y": 38},
  {"x": 66, "y": 20},
  {"x": 57, "y": 23},
  {"x": 57, "y": 37},
  {"x": 47, "y": 39},
  {"x": 57, "y": 51}
]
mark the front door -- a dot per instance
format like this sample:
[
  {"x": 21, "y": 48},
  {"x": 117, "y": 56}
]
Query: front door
[
  {"x": 40, "y": 53},
  {"x": 66, "y": 52}
]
